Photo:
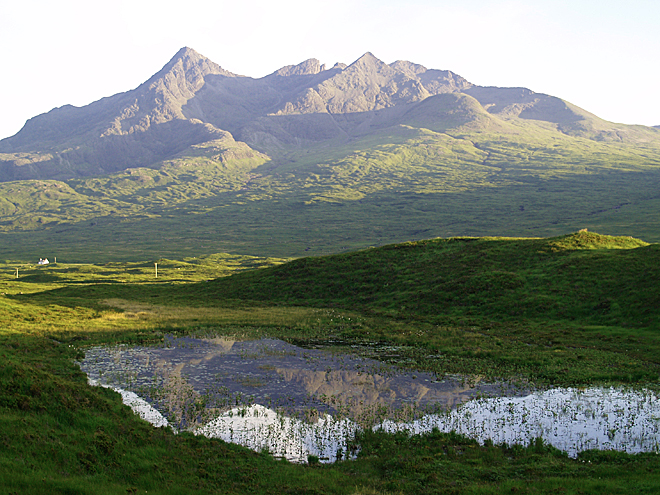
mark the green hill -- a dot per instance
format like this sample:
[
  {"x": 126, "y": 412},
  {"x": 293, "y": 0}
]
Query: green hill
[
  {"x": 557, "y": 310},
  {"x": 575, "y": 310},
  {"x": 582, "y": 277}
]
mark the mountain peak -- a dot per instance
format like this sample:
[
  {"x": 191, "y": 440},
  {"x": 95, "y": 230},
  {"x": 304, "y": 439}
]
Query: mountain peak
[
  {"x": 369, "y": 64},
  {"x": 187, "y": 52},
  {"x": 368, "y": 56},
  {"x": 187, "y": 60},
  {"x": 162, "y": 97},
  {"x": 368, "y": 59},
  {"x": 408, "y": 67},
  {"x": 308, "y": 67}
]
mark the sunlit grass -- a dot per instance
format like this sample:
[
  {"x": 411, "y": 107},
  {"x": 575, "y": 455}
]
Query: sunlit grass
[{"x": 445, "y": 306}]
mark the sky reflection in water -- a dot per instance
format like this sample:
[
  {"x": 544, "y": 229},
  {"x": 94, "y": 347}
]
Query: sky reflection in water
[{"x": 295, "y": 402}]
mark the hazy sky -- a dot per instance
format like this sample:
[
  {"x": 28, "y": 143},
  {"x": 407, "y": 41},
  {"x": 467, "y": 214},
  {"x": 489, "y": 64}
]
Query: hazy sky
[{"x": 602, "y": 55}]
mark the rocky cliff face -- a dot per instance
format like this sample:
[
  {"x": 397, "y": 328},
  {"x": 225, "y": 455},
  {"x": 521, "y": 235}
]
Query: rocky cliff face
[{"x": 156, "y": 101}]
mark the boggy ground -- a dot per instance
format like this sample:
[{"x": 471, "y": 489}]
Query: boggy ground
[{"x": 574, "y": 310}]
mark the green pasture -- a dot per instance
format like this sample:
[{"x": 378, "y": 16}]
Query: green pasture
[{"x": 579, "y": 309}]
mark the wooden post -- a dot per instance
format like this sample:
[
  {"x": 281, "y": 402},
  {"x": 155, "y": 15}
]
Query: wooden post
[
  {"x": 16, "y": 272},
  {"x": 156, "y": 267},
  {"x": 56, "y": 260}
]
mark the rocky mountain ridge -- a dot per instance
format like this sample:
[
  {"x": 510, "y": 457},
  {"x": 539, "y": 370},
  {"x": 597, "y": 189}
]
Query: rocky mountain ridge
[{"x": 193, "y": 100}]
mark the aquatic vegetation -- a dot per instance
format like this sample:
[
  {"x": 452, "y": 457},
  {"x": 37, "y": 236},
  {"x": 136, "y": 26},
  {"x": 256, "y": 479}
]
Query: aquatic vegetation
[
  {"x": 263, "y": 429},
  {"x": 571, "y": 420},
  {"x": 139, "y": 406},
  {"x": 317, "y": 402}
]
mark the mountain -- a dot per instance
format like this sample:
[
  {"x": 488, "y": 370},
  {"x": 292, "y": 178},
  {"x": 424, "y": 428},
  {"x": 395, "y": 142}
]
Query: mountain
[
  {"x": 311, "y": 159},
  {"x": 193, "y": 100},
  {"x": 136, "y": 128}
]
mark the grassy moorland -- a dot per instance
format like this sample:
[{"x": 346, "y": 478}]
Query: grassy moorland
[
  {"x": 402, "y": 183},
  {"x": 572, "y": 310}
]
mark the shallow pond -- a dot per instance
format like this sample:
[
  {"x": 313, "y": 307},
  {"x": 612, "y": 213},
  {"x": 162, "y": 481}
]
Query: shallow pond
[{"x": 295, "y": 402}]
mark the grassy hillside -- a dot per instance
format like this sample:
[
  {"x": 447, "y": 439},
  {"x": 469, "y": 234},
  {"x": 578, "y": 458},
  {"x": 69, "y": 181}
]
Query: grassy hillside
[
  {"x": 501, "y": 306},
  {"x": 583, "y": 277},
  {"x": 403, "y": 183},
  {"x": 575, "y": 309},
  {"x": 558, "y": 310}
]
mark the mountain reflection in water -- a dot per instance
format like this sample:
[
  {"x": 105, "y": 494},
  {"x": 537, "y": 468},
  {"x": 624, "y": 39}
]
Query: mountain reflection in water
[
  {"x": 222, "y": 373},
  {"x": 295, "y": 402}
]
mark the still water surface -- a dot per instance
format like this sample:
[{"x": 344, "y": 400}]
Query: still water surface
[{"x": 294, "y": 402}]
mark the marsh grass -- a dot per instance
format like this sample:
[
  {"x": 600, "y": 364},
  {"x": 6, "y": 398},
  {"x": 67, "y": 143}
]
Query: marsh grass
[{"x": 579, "y": 309}]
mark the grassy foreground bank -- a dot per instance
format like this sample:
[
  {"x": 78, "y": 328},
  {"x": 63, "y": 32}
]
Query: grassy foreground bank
[{"x": 577, "y": 310}]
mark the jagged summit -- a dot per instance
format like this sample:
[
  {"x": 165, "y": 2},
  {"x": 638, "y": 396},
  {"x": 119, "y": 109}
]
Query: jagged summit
[
  {"x": 408, "y": 67},
  {"x": 308, "y": 67},
  {"x": 191, "y": 64},
  {"x": 186, "y": 54},
  {"x": 192, "y": 100},
  {"x": 189, "y": 53},
  {"x": 367, "y": 58},
  {"x": 368, "y": 62}
]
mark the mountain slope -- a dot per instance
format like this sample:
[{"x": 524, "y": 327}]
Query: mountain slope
[
  {"x": 193, "y": 100},
  {"x": 313, "y": 160},
  {"x": 137, "y": 128}
]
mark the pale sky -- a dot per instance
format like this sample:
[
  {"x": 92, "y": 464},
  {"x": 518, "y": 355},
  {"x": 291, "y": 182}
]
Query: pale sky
[{"x": 601, "y": 55}]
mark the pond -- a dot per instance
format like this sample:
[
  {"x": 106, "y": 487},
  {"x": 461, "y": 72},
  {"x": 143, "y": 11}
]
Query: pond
[{"x": 294, "y": 402}]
